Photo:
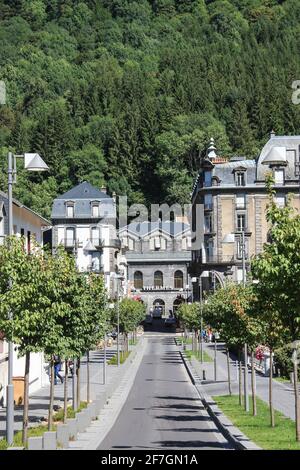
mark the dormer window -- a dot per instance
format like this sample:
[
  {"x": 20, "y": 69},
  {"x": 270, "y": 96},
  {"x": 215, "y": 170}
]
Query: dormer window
[
  {"x": 95, "y": 209},
  {"x": 240, "y": 178},
  {"x": 70, "y": 210}
]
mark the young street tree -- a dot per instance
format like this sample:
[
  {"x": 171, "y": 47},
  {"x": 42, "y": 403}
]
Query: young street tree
[
  {"x": 23, "y": 281},
  {"x": 190, "y": 315},
  {"x": 277, "y": 270},
  {"x": 95, "y": 317},
  {"x": 227, "y": 310},
  {"x": 131, "y": 313}
]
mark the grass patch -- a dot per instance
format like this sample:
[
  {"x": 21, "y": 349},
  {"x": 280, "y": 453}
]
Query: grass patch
[
  {"x": 180, "y": 340},
  {"x": 282, "y": 380},
  {"x": 133, "y": 342},
  {"x": 3, "y": 444},
  {"x": 36, "y": 431},
  {"x": 197, "y": 355},
  {"x": 123, "y": 356},
  {"x": 59, "y": 415},
  {"x": 257, "y": 428}
]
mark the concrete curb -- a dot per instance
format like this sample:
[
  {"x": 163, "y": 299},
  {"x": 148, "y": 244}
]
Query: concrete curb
[{"x": 229, "y": 431}]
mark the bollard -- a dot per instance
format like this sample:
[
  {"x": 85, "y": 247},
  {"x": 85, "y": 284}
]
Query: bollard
[{"x": 204, "y": 375}]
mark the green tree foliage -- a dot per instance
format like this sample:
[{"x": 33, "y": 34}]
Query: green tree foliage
[
  {"x": 189, "y": 315},
  {"x": 277, "y": 269},
  {"x": 129, "y": 92},
  {"x": 131, "y": 313},
  {"x": 228, "y": 311}
]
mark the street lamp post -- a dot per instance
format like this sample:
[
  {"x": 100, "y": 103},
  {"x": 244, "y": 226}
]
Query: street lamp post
[
  {"x": 104, "y": 360},
  {"x": 230, "y": 239},
  {"x": 203, "y": 275},
  {"x": 32, "y": 162}
]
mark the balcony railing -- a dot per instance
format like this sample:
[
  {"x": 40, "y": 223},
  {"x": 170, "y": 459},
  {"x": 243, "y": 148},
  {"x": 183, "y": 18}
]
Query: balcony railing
[
  {"x": 69, "y": 243},
  {"x": 218, "y": 259},
  {"x": 97, "y": 270},
  {"x": 115, "y": 243},
  {"x": 97, "y": 242}
]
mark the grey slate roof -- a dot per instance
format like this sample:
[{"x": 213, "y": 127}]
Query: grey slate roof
[
  {"x": 256, "y": 171},
  {"x": 141, "y": 229},
  {"x": 84, "y": 190},
  {"x": 82, "y": 195},
  {"x": 225, "y": 171}
]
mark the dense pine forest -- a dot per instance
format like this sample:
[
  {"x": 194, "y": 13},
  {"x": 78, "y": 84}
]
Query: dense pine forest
[{"x": 127, "y": 93}]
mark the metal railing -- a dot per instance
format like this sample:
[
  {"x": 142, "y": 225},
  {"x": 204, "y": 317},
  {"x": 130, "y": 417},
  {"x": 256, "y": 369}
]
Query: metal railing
[
  {"x": 93, "y": 269},
  {"x": 69, "y": 242},
  {"x": 97, "y": 242},
  {"x": 213, "y": 259}
]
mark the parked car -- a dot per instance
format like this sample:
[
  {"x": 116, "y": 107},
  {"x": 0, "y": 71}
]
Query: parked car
[{"x": 112, "y": 335}]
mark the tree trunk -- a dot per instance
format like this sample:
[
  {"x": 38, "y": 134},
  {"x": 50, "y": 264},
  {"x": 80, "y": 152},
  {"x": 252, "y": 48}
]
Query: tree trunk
[
  {"x": 228, "y": 371},
  {"x": 50, "y": 413},
  {"x": 253, "y": 385},
  {"x": 87, "y": 376},
  {"x": 272, "y": 417},
  {"x": 66, "y": 392},
  {"x": 78, "y": 382},
  {"x": 297, "y": 404},
  {"x": 240, "y": 380},
  {"x": 26, "y": 399}
]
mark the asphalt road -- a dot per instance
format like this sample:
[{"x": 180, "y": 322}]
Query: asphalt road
[{"x": 163, "y": 410}]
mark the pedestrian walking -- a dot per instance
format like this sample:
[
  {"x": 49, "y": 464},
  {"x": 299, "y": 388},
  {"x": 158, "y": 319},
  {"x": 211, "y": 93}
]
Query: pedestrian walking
[{"x": 57, "y": 368}]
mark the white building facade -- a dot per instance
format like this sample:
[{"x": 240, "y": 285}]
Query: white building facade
[{"x": 84, "y": 223}]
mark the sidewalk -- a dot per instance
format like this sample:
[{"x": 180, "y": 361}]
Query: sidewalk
[
  {"x": 39, "y": 401},
  {"x": 283, "y": 394}
]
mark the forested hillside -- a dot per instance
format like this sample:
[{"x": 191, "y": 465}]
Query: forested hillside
[{"x": 127, "y": 93}]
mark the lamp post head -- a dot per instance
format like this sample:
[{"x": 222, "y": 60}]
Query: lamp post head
[
  {"x": 34, "y": 162},
  {"x": 229, "y": 238},
  {"x": 204, "y": 274}
]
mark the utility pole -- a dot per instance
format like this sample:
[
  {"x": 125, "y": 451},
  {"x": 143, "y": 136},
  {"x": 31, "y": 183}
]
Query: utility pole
[
  {"x": 118, "y": 325},
  {"x": 246, "y": 391}
]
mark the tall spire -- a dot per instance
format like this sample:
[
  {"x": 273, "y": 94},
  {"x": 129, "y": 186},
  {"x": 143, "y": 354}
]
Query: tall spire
[{"x": 211, "y": 151}]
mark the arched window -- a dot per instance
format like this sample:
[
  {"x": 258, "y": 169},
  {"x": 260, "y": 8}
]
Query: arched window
[
  {"x": 138, "y": 280},
  {"x": 178, "y": 280},
  {"x": 158, "y": 279}
]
